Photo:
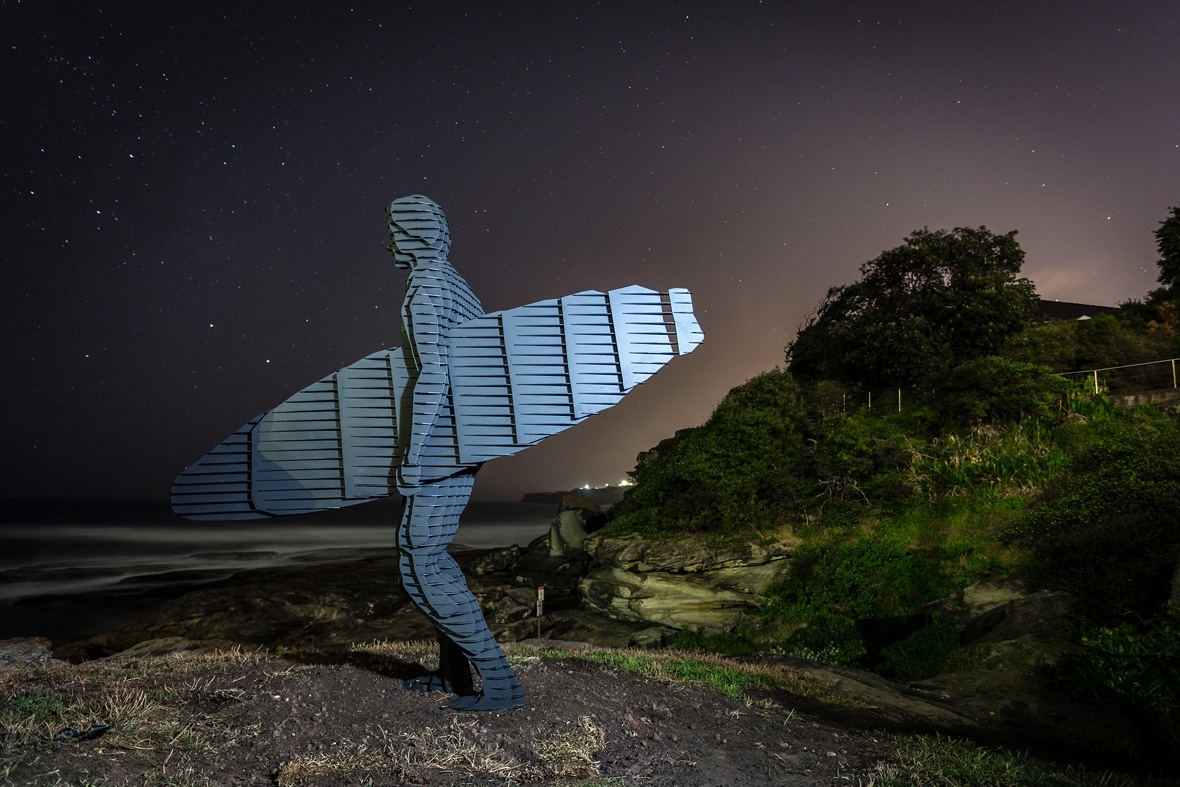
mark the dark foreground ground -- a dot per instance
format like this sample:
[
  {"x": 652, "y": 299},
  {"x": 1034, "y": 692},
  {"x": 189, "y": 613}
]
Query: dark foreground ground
[{"x": 238, "y": 718}]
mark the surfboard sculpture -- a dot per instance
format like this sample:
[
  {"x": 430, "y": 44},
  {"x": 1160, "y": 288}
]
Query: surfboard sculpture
[
  {"x": 517, "y": 377},
  {"x": 420, "y": 419}
]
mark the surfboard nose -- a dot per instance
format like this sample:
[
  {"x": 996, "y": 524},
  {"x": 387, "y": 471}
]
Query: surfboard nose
[{"x": 688, "y": 331}]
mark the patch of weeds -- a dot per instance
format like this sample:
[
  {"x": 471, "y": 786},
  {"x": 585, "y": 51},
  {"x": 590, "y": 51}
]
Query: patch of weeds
[
  {"x": 725, "y": 643},
  {"x": 450, "y": 748},
  {"x": 571, "y": 753},
  {"x": 34, "y": 707},
  {"x": 728, "y": 681},
  {"x": 1138, "y": 667},
  {"x": 932, "y": 650},
  {"x": 718, "y": 673},
  {"x": 35, "y": 717},
  {"x": 936, "y": 761}
]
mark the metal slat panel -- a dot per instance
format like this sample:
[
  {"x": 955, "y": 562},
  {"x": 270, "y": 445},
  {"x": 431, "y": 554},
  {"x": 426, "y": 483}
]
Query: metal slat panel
[{"x": 515, "y": 378}]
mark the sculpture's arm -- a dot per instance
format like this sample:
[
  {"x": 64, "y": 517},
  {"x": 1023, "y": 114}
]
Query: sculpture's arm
[{"x": 423, "y": 329}]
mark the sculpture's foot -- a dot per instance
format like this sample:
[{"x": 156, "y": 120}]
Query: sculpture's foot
[
  {"x": 431, "y": 681},
  {"x": 505, "y": 696}
]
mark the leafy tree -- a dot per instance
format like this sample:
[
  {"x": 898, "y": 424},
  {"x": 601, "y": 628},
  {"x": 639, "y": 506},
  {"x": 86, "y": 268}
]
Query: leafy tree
[
  {"x": 1167, "y": 240},
  {"x": 919, "y": 310}
]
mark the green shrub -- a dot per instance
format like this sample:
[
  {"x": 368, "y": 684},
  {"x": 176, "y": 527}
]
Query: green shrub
[
  {"x": 870, "y": 576},
  {"x": 997, "y": 389},
  {"x": 747, "y": 467},
  {"x": 987, "y": 461},
  {"x": 929, "y": 651},
  {"x": 1138, "y": 666},
  {"x": 833, "y": 587},
  {"x": 1107, "y": 530},
  {"x": 724, "y": 643},
  {"x": 828, "y": 637}
]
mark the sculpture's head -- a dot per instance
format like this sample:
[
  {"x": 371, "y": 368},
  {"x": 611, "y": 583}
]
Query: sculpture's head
[{"x": 418, "y": 230}]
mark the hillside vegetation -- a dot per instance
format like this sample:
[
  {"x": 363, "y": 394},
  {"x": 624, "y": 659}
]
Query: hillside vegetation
[{"x": 992, "y": 467}]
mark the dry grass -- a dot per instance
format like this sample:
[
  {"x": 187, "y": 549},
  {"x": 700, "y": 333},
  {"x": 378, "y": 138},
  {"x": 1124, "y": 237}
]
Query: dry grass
[
  {"x": 571, "y": 753},
  {"x": 452, "y": 749},
  {"x": 146, "y": 700}
]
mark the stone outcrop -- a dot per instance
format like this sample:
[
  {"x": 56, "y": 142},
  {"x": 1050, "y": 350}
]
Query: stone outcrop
[
  {"x": 685, "y": 584},
  {"x": 25, "y": 652}
]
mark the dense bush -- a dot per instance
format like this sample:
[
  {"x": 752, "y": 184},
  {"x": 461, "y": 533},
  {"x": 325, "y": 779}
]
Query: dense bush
[
  {"x": 1104, "y": 341},
  {"x": 834, "y": 588},
  {"x": 998, "y": 390},
  {"x": 1107, "y": 529},
  {"x": 747, "y": 467},
  {"x": 1137, "y": 666},
  {"x": 930, "y": 650}
]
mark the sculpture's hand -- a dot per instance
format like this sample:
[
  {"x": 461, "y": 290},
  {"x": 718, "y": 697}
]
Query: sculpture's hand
[{"x": 409, "y": 478}]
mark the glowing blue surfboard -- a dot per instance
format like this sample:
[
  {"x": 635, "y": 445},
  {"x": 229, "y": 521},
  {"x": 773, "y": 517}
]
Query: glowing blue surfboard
[{"x": 517, "y": 377}]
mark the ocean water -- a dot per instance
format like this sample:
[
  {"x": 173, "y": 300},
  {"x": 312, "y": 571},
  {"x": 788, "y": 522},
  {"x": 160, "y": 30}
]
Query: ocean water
[{"x": 68, "y": 571}]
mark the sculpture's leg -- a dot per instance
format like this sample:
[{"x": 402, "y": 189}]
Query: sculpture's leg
[{"x": 436, "y": 585}]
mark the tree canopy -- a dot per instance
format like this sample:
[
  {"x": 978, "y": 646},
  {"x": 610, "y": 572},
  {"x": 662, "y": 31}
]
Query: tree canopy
[
  {"x": 939, "y": 300},
  {"x": 1167, "y": 240}
]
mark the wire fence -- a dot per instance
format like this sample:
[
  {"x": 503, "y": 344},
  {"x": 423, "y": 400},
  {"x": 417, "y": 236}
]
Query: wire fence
[
  {"x": 1115, "y": 380},
  {"x": 1129, "y": 379}
]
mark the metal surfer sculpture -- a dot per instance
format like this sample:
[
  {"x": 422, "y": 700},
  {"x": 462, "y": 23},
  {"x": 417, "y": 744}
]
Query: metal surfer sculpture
[{"x": 463, "y": 388}]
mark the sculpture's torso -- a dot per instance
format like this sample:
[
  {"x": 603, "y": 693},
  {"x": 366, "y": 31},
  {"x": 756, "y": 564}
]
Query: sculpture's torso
[{"x": 437, "y": 299}]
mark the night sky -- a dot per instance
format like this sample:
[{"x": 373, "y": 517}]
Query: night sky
[{"x": 193, "y": 193}]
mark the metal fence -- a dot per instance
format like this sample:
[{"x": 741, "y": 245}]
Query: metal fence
[
  {"x": 1114, "y": 380},
  {"x": 1129, "y": 379}
]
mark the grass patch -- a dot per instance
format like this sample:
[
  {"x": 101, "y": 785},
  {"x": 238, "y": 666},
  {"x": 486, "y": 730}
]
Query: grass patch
[
  {"x": 731, "y": 678},
  {"x": 937, "y": 761}
]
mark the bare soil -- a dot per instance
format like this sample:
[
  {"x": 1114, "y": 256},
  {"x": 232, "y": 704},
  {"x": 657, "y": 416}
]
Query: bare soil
[{"x": 344, "y": 719}]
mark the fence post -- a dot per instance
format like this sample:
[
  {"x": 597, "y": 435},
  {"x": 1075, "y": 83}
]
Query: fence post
[
  {"x": 870, "y": 400},
  {"x": 899, "y": 400},
  {"x": 1095, "y": 382},
  {"x": 1174, "y": 374}
]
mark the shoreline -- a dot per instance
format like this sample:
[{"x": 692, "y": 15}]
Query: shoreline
[{"x": 73, "y": 576}]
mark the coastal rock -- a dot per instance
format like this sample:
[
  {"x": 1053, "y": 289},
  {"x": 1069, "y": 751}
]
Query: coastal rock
[
  {"x": 667, "y": 599},
  {"x": 977, "y": 599},
  {"x": 1005, "y": 701},
  {"x": 578, "y": 517},
  {"x": 689, "y": 555},
  {"x": 685, "y": 584},
  {"x": 25, "y": 652}
]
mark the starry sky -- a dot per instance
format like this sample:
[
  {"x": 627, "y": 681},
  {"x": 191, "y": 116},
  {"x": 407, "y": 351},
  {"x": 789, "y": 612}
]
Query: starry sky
[{"x": 193, "y": 194}]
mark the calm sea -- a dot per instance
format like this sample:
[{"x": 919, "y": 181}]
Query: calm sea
[{"x": 71, "y": 570}]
